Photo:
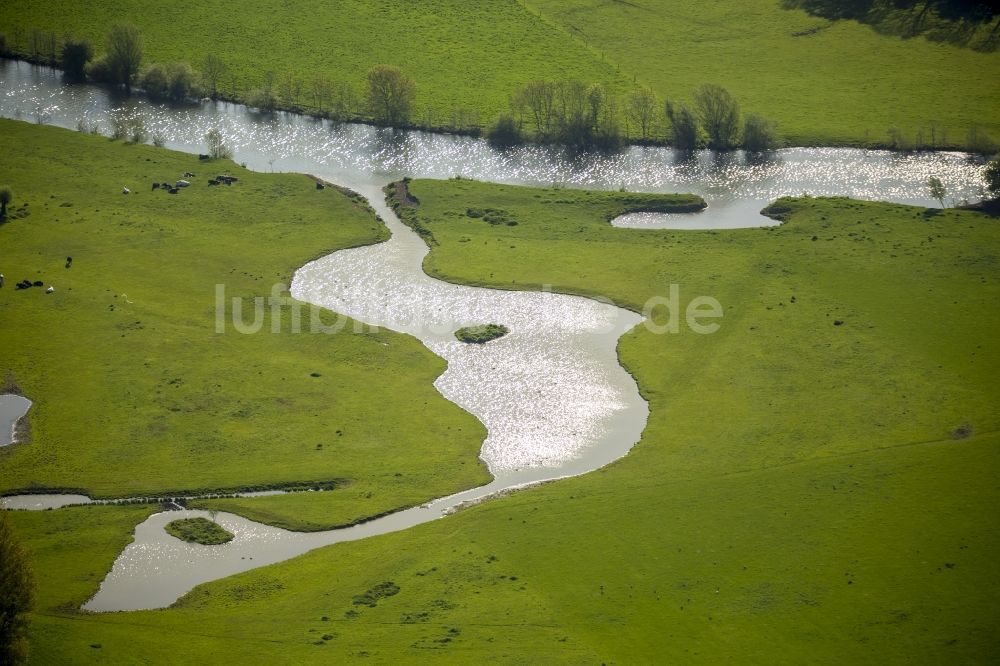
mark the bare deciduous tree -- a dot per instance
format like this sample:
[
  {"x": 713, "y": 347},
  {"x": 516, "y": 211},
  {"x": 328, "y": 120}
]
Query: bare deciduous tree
[
  {"x": 213, "y": 68},
  {"x": 537, "y": 100},
  {"x": 322, "y": 88},
  {"x": 642, "y": 109}
]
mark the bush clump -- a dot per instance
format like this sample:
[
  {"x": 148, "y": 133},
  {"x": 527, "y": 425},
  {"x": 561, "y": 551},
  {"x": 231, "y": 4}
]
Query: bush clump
[
  {"x": 375, "y": 594},
  {"x": 199, "y": 530},
  {"x": 481, "y": 334},
  {"x": 494, "y": 216},
  {"x": 174, "y": 81},
  {"x": 758, "y": 134},
  {"x": 505, "y": 133}
]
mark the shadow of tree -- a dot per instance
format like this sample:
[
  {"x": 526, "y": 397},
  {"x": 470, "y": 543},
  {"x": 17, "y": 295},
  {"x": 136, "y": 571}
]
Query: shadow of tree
[{"x": 973, "y": 24}]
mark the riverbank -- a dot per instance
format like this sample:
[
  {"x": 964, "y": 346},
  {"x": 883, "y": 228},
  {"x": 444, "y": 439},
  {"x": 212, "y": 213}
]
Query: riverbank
[{"x": 769, "y": 57}]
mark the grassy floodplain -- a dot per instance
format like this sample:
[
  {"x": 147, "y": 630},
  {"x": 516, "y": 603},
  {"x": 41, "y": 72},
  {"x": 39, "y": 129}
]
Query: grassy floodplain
[
  {"x": 135, "y": 393},
  {"x": 804, "y": 492},
  {"x": 822, "y": 81}
]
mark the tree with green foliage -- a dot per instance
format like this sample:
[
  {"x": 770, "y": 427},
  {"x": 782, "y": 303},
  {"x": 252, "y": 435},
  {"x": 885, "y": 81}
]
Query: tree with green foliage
[
  {"x": 17, "y": 594},
  {"x": 175, "y": 81},
  {"x": 217, "y": 147},
  {"x": 683, "y": 126},
  {"x": 75, "y": 56},
  {"x": 5, "y": 198},
  {"x": 390, "y": 95},
  {"x": 992, "y": 176},
  {"x": 937, "y": 189},
  {"x": 720, "y": 116},
  {"x": 124, "y": 54},
  {"x": 758, "y": 134}
]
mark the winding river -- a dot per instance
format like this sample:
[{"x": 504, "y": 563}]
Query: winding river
[{"x": 552, "y": 394}]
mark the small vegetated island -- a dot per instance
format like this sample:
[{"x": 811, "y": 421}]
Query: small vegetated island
[
  {"x": 199, "y": 530},
  {"x": 481, "y": 334}
]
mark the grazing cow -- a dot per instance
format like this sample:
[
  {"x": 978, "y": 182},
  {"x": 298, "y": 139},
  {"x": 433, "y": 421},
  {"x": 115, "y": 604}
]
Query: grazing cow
[
  {"x": 125, "y": 190},
  {"x": 182, "y": 183},
  {"x": 1, "y": 280},
  {"x": 156, "y": 186},
  {"x": 173, "y": 190},
  {"x": 50, "y": 290},
  {"x": 319, "y": 185},
  {"x": 166, "y": 186},
  {"x": 188, "y": 174}
]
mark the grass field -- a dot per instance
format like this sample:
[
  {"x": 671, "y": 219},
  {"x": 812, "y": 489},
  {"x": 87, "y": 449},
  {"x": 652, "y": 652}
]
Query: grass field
[
  {"x": 136, "y": 393},
  {"x": 822, "y": 81},
  {"x": 803, "y": 493}
]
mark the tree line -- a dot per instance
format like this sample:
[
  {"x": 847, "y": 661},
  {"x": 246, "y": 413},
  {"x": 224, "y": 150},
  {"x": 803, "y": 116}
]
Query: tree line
[{"x": 590, "y": 116}]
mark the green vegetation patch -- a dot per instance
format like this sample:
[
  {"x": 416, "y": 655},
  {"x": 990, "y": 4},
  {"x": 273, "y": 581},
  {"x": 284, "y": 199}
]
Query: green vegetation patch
[
  {"x": 481, "y": 334},
  {"x": 378, "y": 592},
  {"x": 137, "y": 393},
  {"x": 794, "y": 474},
  {"x": 199, "y": 530}
]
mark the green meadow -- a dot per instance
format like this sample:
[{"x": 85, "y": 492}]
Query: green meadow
[
  {"x": 816, "y": 483},
  {"x": 137, "y": 393},
  {"x": 822, "y": 81}
]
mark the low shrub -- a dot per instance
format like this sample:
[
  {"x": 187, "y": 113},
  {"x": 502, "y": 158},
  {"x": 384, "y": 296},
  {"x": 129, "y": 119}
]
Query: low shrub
[
  {"x": 505, "y": 133},
  {"x": 758, "y": 134},
  {"x": 481, "y": 334},
  {"x": 199, "y": 530}
]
